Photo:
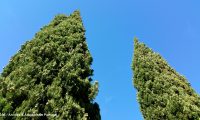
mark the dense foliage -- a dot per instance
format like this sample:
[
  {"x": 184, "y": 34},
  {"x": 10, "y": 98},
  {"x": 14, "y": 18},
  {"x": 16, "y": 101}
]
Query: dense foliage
[
  {"x": 163, "y": 94},
  {"x": 51, "y": 74}
]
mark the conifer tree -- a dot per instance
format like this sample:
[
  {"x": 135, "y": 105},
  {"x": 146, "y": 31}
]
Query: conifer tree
[
  {"x": 51, "y": 74},
  {"x": 163, "y": 94}
]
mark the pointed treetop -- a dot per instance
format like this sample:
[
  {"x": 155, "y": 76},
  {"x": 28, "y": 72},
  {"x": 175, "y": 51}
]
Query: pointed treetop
[
  {"x": 136, "y": 43},
  {"x": 77, "y": 15},
  {"x": 135, "y": 40},
  {"x": 76, "y": 12}
]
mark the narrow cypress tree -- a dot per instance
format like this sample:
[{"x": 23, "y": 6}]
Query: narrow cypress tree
[
  {"x": 51, "y": 74},
  {"x": 163, "y": 94}
]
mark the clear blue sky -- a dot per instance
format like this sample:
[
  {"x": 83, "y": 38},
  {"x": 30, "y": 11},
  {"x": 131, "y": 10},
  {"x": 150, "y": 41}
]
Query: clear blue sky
[{"x": 170, "y": 27}]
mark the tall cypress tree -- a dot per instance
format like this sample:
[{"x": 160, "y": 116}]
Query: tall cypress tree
[
  {"x": 51, "y": 74},
  {"x": 163, "y": 94}
]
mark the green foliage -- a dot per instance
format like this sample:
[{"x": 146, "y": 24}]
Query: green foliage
[
  {"x": 51, "y": 74},
  {"x": 163, "y": 94}
]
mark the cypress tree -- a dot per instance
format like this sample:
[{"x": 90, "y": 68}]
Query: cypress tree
[
  {"x": 163, "y": 94},
  {"x": 51, "y": 74}
]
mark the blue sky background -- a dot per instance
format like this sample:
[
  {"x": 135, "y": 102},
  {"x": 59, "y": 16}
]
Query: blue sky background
[{"x": 170, "y": 27}]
